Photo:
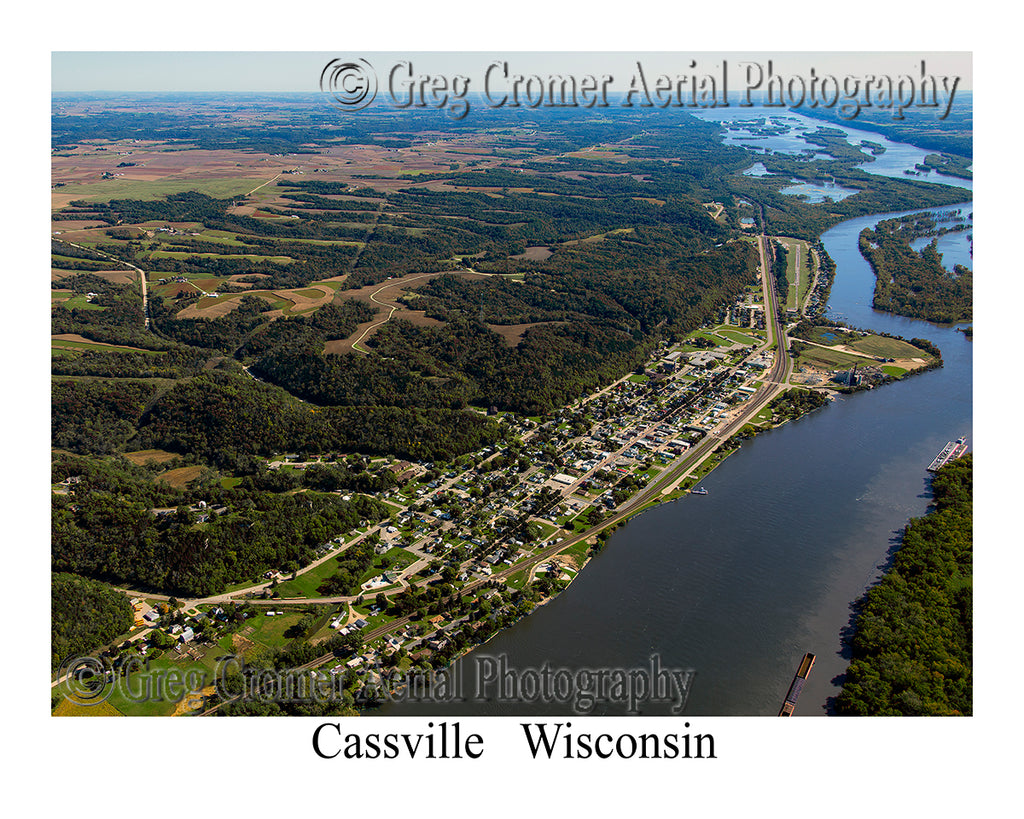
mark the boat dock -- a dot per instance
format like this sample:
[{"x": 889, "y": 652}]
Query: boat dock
[
  {"x": 950, "y": 452},
  {"x": 789, "y": 705}
]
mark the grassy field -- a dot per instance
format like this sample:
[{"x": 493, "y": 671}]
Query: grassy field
[
  {"x": 107, "y": 189},
  {"x": 270, "y": 631},
  {"x": 806, "y": 273},
  {"x": 81, "y": 302},
  {"x": 90, "y": 345},
  {"x": 547, "y": 530},
  {"x": 373, "y": 620},
  {"x": 222, "y": 237},
  {"x": 718, "y": 340},
  {"x": 291, "y": 240},
  {"x": 737, "y": 336},
  {"x": 888, "y": 348},
  {"x": 577, "y": 552},
  {"x": 516, "y": 580},
  {"x": 828, "y": 359},
  {"x": 182, "y": 255},
  {"x": 872, "y": 345},
  {"x": 74, "y": 260},
  {"x": 275, "y": 301},
  {"x": 306, "y": 584}
]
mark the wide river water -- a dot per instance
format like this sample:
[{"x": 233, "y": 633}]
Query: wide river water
[{"x": 739, "y": 583}]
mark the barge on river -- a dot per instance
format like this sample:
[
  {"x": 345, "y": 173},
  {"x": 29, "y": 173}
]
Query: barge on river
[
  {"x": 789, "y": 704},
  {"x": 950, "y": 452}
]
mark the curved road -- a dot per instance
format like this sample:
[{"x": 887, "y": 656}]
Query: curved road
[{"x": 139, "y": 270}]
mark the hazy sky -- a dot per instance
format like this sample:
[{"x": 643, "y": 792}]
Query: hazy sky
[{"x": 300, "y": 71}]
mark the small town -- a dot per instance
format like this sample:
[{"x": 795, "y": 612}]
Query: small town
[{"x": 473, "y": 545}]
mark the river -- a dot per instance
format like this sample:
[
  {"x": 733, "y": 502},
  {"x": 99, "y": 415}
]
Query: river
[{"x": 739, "y": 583}]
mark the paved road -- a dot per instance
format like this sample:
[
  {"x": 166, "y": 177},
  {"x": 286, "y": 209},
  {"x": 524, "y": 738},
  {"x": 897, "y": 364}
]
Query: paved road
[
  {"x": 139, "y": 270},
  {"x": 391, "y": 312},
  {"x": 250, "y": 193}
]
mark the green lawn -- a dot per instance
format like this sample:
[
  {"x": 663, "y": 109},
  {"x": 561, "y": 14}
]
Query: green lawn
[
  {"x": 269, "y": 631},
  {"x": 806, "y": 273},
  {"x": 306, "y": 584},
  {"x": 374, "y": 620},
  {"x": 717, "y": 339},
  {"x": 396, "y": 558},
  {"x": 81, "y": 302},
  {"x": 547, "y": 530},
  {"x": 739, "y": 337},
  {"x": 393, "y": 508},
  {"x": 578, "y": 551},
  {"x": 516, "y": 580},
  {"x": 67, "y": 708},
  {"x": 167, "y": 678},
  {"x": 242, "y": 585}
]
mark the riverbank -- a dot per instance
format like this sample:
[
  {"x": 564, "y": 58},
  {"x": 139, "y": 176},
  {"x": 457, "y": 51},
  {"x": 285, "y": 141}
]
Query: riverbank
[{"x": 912, "y": 645}]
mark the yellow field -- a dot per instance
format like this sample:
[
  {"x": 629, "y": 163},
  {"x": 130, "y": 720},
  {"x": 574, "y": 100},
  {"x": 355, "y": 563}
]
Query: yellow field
[
  {"x": 143, "y": 456},
  {"x": 69, "y": 709},
  {"x": 180, "y": 477}
]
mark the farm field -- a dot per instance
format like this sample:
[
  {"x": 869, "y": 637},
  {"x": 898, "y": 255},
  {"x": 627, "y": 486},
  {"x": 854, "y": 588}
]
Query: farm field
[
  {"x": 126, "y": 188},
  {"x": 72, "y": 341}
]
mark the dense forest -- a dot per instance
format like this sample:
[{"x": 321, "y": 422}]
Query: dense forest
[
  {"x": 84, "y": 615},
  {"x": 913, "y": 646},
  {"x": 106, "y": 527},
  {"x": 229, "y": 420},
  {"x": 912, "y": 283}
]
